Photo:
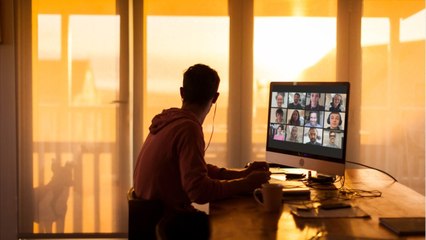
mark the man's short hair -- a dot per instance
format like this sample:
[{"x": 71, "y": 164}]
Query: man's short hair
[
  {"x": 200, "y": 84},
  {"x": 313, "y": 130}
]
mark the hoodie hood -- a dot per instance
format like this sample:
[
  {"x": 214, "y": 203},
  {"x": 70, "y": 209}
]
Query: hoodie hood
[{"x": 168, "y": 116}]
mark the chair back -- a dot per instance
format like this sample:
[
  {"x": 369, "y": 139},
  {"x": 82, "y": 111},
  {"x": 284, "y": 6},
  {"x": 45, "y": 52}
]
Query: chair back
[{"x": 144, "y": 216}]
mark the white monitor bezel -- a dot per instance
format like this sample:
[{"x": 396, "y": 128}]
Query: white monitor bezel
[{"x": 320, "y": 166}]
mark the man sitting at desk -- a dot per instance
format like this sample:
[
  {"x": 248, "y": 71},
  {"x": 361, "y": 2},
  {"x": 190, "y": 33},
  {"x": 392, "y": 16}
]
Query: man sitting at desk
[{"x": 171, "y": 166}]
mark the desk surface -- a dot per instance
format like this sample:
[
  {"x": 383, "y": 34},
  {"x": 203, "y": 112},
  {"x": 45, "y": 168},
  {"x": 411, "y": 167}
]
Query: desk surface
[{"x": 241, "y": 217}]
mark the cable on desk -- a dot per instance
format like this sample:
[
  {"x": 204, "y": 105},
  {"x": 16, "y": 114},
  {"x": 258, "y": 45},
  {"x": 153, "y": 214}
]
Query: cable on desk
[
  {"x": 332, "y": 192},
  {"x": 343, "y": 192},
  {"x": 342, "y": 181},
  {"x": 349, "y": 193},
  {"x": 374, "y": 169}
]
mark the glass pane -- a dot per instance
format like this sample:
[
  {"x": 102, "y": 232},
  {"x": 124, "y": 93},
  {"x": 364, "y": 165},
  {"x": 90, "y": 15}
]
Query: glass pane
[
  {"x": 293, "y": 41},
  {"x": 175, "y": 43},
  {"x": 393, "y": 89},
  {"x": 74, "y": 125}
]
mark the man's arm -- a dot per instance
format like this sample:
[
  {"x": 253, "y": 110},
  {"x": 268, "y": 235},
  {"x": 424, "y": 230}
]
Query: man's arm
[{"x": 229, "y": 174}]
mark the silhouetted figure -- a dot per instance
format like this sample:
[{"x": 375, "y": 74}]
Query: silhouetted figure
[{"x": 51, "y": 199}]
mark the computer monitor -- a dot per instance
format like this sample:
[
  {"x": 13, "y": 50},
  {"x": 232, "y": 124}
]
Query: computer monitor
[{"x": 308, "y": 125}]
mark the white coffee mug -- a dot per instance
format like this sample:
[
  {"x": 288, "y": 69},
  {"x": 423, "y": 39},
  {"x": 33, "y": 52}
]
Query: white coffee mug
[{"x": 272, "y": 196}]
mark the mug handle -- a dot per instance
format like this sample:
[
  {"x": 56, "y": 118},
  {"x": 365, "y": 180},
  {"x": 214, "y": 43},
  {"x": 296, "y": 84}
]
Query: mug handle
[{"x": 255, "y": 193}]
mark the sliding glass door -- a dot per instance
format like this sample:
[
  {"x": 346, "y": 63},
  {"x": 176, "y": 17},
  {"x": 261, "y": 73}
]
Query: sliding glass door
[{"x": 76, "y": 172}]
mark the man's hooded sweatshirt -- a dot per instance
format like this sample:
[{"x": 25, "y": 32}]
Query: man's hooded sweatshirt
[{"x": 171, "y": 165}]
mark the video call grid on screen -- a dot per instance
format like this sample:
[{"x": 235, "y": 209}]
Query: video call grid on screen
[{"x": 296, "y": 126}]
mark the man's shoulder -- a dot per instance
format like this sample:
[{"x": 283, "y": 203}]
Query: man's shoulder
[{"x": 186, "y": 124}]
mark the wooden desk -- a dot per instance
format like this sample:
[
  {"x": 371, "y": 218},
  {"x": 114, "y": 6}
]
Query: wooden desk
[{"x": 242, "y": 218}]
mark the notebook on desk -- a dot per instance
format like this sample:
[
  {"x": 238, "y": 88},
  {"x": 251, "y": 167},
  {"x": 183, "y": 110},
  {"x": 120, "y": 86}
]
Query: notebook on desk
[{"x": 404, "y": 226}]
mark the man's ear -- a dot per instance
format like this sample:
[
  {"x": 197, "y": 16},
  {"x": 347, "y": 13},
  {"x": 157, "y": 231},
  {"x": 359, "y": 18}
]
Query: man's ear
[
  {"x": 181, "y": 93},
  {"x": 216, "y": 96}
]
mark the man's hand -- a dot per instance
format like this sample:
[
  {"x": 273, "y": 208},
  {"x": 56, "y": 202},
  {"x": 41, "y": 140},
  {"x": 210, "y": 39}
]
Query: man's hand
[
  {"x": 257, "y": 166},
  {"x": 256, "y": 178}
]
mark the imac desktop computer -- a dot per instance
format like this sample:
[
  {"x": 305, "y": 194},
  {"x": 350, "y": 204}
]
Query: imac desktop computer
[{"x": 308, "y": 126}]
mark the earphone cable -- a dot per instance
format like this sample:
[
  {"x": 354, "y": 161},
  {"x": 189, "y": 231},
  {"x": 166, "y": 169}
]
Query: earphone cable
[{"x": 211, "y": 135}]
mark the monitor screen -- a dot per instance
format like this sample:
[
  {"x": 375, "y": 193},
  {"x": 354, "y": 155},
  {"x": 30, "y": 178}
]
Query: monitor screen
[{"x": 307, "y": 125}]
